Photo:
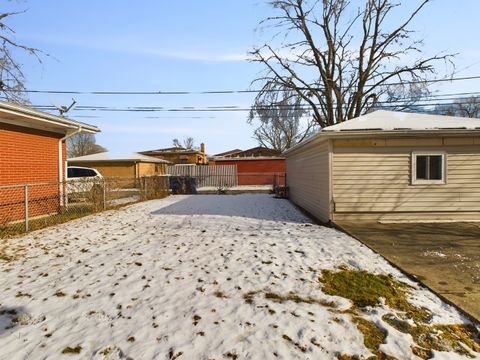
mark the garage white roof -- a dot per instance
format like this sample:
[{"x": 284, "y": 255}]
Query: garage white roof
[
  {"x": 392, "y": 120},
  {"x": 107, "y": 156}
]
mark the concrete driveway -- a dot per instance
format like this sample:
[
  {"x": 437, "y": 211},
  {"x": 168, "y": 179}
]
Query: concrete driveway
[{"x": 444, "y": 256}]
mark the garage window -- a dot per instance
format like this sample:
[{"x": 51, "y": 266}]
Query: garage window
[{"x": 428, "y": 168}]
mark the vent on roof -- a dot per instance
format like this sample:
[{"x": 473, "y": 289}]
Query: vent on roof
[{"x": 360, "y": 129}]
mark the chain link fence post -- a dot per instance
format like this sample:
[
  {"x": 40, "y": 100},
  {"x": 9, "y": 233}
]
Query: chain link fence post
[
  {"x": 104, "y": 194},
  {"x": 26, "y": 208},
  {"x": 145, "y": 187}
]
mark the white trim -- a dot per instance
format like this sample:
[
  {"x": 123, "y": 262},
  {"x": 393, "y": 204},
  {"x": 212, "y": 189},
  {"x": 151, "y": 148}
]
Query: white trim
[
  {"x": 415, "y": 181},
  {"x": 45, "y": 118}
]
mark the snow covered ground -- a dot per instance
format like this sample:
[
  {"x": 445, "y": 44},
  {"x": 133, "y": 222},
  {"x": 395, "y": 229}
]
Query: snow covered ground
[{"x": 166, "y": 279}]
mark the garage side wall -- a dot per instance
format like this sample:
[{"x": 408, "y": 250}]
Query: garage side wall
[
  {"x": 371, "y": 180},
  {"x": 308, "y": 181}
]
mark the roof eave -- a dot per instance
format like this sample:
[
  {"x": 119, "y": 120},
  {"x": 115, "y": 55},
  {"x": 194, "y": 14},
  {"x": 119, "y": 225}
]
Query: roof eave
[
  {"x": 45, "y": 118},
  {"x": 324, "y": 135},
  {"x": 400, "y": 132}
]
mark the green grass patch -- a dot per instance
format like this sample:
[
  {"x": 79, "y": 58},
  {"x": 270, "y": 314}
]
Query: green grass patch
[
  {"x": 291, "y": 296},
  {"x": 373, "y": 337},
  {"x": 70, "y": 350},
  {"x": 443, "y": 337},
  {"x": 366, "y": 289},
  {"x": 72, "y": 213}
]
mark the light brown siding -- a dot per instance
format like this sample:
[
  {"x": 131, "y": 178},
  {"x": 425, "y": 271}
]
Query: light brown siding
[
  {"x": 308, "y": 179},
  {"x": 150, "y": 169},
  {"x": 109, "y": 169},
  {"x": 375, "y": 182}
]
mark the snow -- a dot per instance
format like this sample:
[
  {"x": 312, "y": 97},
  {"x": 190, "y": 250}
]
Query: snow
[
  {"x": 431, "y": 253},
  {"x": 167, "y": 277},
  {"x": 396, "y": 120}
]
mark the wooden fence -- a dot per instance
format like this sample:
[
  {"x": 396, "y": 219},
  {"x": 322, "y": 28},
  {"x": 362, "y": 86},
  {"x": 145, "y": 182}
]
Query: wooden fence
[{"x": 208, "y": 176}]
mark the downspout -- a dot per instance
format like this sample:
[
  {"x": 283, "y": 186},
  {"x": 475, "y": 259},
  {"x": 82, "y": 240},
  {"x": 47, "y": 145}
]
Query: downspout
[{"x": 60, "y": 161}]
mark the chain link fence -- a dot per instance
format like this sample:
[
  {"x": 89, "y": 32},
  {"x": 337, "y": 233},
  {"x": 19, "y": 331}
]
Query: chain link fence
[{"x": 29, "y": 207}]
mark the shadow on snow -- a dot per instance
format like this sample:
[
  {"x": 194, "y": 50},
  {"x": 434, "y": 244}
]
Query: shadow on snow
[{"x": 254, "y": 206}]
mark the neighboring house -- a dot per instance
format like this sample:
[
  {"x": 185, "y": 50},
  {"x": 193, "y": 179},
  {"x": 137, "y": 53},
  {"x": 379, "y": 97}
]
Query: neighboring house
[
  {"x": 256, "y": 166},
  {"x": 133, "y": 165},
  {"x": 256, "y": 151},
  {"x": 180, "y": 155},
  {"x": 389, "y": 166},
  {"x": 32, "y": 150},
  {"x": 229, "y": 152}
]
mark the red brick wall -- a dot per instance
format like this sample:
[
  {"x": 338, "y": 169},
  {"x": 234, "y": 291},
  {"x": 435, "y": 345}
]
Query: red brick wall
[
  {"x": 28, "y": 156},
  {"x": 257, "y": 172}
]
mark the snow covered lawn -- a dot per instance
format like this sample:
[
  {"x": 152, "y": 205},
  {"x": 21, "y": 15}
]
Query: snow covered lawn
[{"x": 193, "y": 277}]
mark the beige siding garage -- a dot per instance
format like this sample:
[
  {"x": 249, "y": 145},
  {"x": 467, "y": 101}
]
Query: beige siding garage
[
  {"x": 375, "y": 182},
  {"x": 389, "y": 166},
  {"x": 308, "y": 178}
]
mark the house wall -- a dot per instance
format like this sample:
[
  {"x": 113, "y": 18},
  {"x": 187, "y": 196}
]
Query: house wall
[
  {"x": 257, "y": 172},
  {"x": 28, "y": 156},
  {"x": 308, "y": 178},
  {"x": 371, "y": 180}
]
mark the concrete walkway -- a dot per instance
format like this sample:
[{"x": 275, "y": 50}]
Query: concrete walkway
[{"x": 444, "y": 256}]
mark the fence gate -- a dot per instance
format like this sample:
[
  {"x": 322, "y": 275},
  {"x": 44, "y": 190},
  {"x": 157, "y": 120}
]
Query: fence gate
[{"x": 207, "y": 176}]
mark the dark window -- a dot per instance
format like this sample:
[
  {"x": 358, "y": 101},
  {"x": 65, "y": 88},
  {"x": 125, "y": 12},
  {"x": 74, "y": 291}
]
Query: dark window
[
  {"x": 76, "y": 173},
  {"x": 429, "y": 167}
]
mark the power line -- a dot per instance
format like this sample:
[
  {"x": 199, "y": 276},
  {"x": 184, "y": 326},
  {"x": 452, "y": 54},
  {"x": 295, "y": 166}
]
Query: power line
[
  {"x": 217, "y": 92},
  {"x": 230, "y": 109},
  {"x": 393, "y": 103}
]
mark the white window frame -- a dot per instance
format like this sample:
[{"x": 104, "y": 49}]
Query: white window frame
[{"x": 413, "y": 170}]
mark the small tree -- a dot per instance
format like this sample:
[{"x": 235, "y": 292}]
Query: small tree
[
  {"x": 469, "y": 107},
  {"x": 12, "y": 80},
  {"x": 188, "y": 143},
  {"x": 83, "y": 144},
  {"x": 284, "y": 122},
  {"x": 339, "y": 58}
]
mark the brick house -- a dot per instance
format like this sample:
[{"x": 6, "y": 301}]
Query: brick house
[
  {"x": 256, "y": 166},
  {"x": 32, "y": 150}
]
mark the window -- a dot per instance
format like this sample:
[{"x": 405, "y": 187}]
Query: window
[
  {"x": 80, "y": 172},
  {"x": 428, "y": 168}
]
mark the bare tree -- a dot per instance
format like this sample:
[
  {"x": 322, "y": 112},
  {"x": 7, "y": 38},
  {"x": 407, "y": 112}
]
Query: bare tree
[
  {"x": 188, "y": 143},
  {"x": 339, "y": 59},
  {"x": 12, "y": 80},
  {"x": 467, "y": 107},
  {"x": 284, "y": 121},
  {"x": 83, "y": 144},
  {"x": 404, "y": 97}
]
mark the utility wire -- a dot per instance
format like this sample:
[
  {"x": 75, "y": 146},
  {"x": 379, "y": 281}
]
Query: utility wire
[
  {"x": 214, "y": 92},
  {"x": 394, "y": 103},
  {"x": 306, "y": 108}
]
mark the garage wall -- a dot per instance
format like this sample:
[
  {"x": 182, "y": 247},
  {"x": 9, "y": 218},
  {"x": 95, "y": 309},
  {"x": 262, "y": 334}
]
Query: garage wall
[
  {"x": 257, "y": 171},
  {"x": 374, "y": 182},
  {"x": 307, "y": 169},
  {"x": 150, "y": 169},
  {"x": 109, "y": 169}
]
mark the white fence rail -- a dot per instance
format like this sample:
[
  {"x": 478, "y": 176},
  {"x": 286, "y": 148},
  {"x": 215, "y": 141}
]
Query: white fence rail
[{"x": 208, "y": 176}]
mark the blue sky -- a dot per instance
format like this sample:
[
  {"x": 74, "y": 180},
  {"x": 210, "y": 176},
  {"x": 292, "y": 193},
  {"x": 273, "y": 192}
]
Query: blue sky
[{"x": 153, "y": 45}]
